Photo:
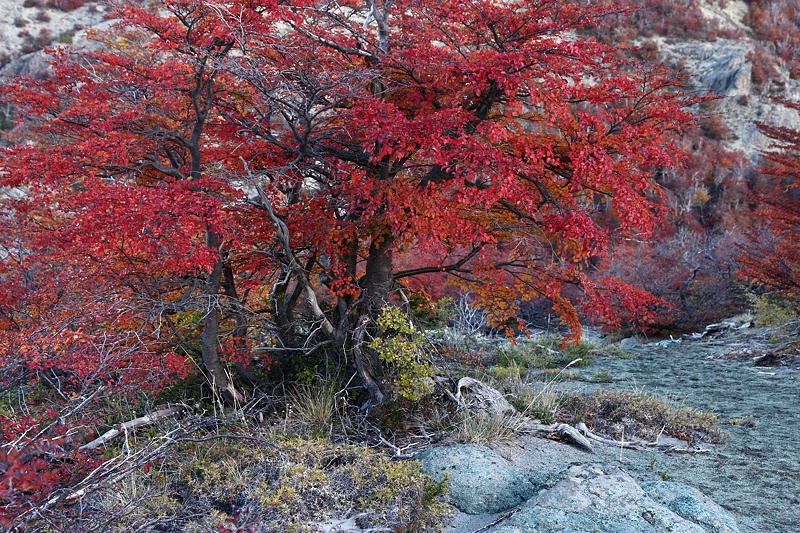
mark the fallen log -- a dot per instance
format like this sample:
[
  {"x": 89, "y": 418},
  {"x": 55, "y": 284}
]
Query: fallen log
[
  {"x": 564, "y": 431},
  {"x": 119, "y": 429},
  {"x": 637, "y": 445}
]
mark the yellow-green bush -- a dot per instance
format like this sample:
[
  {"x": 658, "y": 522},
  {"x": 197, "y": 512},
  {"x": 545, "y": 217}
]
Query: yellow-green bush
[
  {"x": 771, "y": 310},
  {"x": 401, "y": 345}
]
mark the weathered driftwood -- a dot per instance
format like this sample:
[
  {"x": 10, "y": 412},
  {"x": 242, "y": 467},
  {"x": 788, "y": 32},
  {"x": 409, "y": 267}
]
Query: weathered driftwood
[
  {"x": 119, "y": 429},
  {"x": 475, "y": 395},
  {"x": 637, "y": 445},
  {"x": 564, "y": 431}
]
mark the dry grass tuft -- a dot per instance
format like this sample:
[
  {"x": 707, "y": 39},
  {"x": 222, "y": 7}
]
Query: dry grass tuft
[
  {"x": 630, "y": 414},
  {"x": 314, "y": 408},
  {"x": 485, "y": 428}
]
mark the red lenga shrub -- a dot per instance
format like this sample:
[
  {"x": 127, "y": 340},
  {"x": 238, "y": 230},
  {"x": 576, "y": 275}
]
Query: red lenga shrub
[
  {"x": 774, "y": 262},
  {"x": 39, "y": 457}
]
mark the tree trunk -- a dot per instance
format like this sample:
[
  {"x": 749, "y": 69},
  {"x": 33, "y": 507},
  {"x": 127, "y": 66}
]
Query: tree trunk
[
  {"x": 239, "y": 333},
  {"x": 209, "y": 338},
  {"x": 376, "y": 285}
]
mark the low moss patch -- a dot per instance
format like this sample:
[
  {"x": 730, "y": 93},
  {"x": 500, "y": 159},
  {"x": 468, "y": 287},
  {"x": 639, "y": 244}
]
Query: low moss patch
[
  {"x": 745, "y": 421},
  {"x": 292, "y": 485}
]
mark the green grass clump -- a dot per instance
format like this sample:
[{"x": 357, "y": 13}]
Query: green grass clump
[
  {"x": 603, "y": 376},
  {"x": 545, "y": 352},
  {"x": 486, "y": 428},
  {"x": 314, "y": 409}
]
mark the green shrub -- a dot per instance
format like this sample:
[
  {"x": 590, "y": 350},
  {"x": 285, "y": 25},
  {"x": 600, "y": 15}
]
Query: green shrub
[
  {"x": 401, "y": 345},
  {"x": 771, "y": 310}
]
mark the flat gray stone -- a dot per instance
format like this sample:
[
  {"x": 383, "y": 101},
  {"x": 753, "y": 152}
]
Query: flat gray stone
[
  {"x": 595, "y": 498},
  {"x": 629, "y": 343}
]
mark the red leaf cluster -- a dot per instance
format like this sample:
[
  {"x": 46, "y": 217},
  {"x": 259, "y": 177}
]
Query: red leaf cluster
[{"x": 771, "y": 258}]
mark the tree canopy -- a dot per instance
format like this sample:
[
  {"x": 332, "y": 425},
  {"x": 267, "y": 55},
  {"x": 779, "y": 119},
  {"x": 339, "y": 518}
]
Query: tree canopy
[{"x": 222, "y": 176}]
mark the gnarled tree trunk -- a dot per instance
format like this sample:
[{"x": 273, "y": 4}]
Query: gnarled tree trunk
[
  {"x": 209, "y": 338},
  {"x": 376, "y": 285}
]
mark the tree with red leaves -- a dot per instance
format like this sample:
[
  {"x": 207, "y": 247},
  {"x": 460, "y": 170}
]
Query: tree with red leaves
[
  {"x": 772, "y": 258},
  {"x": 220, "y": 174}
]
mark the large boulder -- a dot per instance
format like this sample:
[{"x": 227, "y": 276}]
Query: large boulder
[
  {"x": 691, "y": 504},
  {"x": 602, "y": 498},
  {"x": 479, "y": 480}
]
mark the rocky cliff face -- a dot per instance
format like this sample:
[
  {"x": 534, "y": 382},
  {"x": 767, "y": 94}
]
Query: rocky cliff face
[
  {"x": 28, "y": 25},
  {"x": 725, "y": 67}
]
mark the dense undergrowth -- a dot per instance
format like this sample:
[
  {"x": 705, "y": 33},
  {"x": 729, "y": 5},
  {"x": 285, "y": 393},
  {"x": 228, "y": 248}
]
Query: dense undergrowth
[{"x": 305, "y": 455}]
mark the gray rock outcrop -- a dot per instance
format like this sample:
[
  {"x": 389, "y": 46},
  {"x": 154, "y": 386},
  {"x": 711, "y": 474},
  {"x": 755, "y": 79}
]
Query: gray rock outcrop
[
  {"x": 724, "y": 67},
  {"x": 479, "y": 480},
  {"x": 602, "y": 498},
  {"x": 691, "y": 504}
]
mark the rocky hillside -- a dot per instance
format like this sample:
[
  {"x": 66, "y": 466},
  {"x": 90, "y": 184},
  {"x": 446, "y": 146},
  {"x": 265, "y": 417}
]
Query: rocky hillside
[
  {"x": 29, "y": 25},
  {"x": 726, "y": 67}
]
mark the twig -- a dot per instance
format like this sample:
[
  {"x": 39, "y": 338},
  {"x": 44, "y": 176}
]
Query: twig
[
  {"x": 503, "y": 518},
  {"x": 398, "y": 452}
]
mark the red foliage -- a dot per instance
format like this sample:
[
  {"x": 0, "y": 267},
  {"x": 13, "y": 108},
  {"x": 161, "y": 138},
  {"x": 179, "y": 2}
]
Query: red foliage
[
  {"x": 689, "y": 263},
  {"x": 183, "y": 200},
  {"x": 216, "y": 177},
  {"x": 37, "y": 457},
  {"x": 777, "y": 24},
  {"x": 682, "y": 19},
  {"x": 67, "y": 5},
  {"x": 772, "y": 257},
  {"x": 62, "y": 5}
]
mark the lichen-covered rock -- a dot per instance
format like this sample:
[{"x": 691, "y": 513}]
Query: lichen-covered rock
[
  {"x": 691, "y": 504},
  {"x": 479, "y": 480},
  {"x": 596, "y": 498},
  {"x": 629, "y": 343}
]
